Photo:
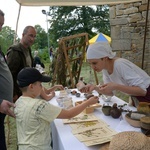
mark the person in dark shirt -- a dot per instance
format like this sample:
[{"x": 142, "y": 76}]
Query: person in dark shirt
[
  {"x": 6, "y": 91},
  {"x": 37, "y": 63}
]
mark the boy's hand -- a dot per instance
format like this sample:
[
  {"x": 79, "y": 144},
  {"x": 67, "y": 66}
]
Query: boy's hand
[
  {"x": 93, "y": 100},
  {"x": 60, "y": 87}
]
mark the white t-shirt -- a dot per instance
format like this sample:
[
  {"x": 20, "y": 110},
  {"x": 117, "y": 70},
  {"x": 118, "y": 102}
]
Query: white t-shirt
[
  {"x": 33, "y": 118},
  {"x": 127, "y": 73}
]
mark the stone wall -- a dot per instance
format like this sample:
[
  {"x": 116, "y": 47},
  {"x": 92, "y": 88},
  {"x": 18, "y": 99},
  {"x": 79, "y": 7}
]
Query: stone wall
[{"x": 127, "y": 32}]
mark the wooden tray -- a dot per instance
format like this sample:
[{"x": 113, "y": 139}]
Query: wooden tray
[{"x": 133, "y": 122}]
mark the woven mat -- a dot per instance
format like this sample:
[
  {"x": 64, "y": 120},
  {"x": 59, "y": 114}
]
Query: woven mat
[{"x": 106, "y": 145}]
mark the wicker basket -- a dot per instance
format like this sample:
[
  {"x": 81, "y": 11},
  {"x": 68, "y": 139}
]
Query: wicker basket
[
  {"x": 145, "y": 125},
  {"x": 130, "y": 140}
]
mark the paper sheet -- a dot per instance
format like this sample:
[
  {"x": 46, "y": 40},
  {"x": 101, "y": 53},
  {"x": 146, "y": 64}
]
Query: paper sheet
[
  {"x": 81, "y": 118},
  {"x": 85, "y": 124}
]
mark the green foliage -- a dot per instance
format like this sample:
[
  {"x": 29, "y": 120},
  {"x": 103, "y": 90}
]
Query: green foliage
[
  {"x": 41, "y": 44},
  {"x": 41, "y": 38},
  {"x": 44, "y": 55},
  {"x": 6, "y": 38},
  {"x": 66, "y": 21}
]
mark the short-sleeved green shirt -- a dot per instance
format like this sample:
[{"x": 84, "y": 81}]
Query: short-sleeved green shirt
[{"x": 33, "y": 118}]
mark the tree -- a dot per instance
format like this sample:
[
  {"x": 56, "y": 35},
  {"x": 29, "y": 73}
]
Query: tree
[
  {"x": 41, "y": 43},
  {"x": 66, "y": 21},
  {"x": 6, "y": 38},
  {"x": 41, "y": 38}
]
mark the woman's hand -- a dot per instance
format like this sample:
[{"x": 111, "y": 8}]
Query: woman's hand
[
  {"x": 107, "y": 89},
  {"x": 88, "y": 88}
]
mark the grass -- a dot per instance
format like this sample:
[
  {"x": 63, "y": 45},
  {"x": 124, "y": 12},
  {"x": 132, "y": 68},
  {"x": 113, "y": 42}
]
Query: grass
[{"x": 88, "y": 76}]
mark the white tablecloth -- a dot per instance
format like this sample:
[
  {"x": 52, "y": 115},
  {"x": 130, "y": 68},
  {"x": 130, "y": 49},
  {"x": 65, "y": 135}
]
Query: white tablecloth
[{"x": 63, "y": 139}]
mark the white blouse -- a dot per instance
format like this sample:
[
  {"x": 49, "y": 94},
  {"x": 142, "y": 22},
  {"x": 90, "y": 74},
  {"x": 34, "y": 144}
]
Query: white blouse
[{"x": 127, "y": 73}]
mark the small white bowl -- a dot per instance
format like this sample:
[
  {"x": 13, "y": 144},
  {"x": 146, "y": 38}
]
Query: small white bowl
[{"x": 106, "y": 98}]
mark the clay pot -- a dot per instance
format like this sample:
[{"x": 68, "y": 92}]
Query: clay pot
[
  {"x": 78, "y": 94},
  {"x": 115, "y": 112},
  {"x": 106, "y": 110}
]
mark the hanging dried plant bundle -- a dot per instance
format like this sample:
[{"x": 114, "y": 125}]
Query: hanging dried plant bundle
[{"x": 70, "y": 56}]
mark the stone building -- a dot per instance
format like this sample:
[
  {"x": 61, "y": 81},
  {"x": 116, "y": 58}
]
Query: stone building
[{"x": 128, "y": 32}]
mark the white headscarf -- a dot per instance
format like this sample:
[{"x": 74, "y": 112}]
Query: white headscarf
[{"x": 100, "y": 50}]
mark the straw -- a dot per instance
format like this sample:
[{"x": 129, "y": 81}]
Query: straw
[{"x": 130, "y": 140}]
